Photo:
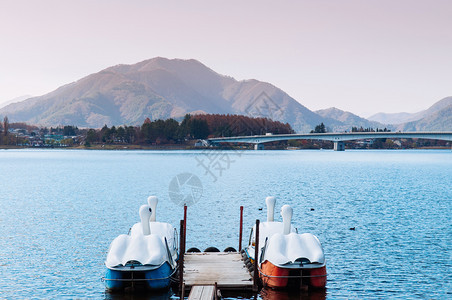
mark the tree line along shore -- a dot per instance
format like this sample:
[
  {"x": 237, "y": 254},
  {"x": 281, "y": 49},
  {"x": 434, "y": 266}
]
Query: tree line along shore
[{"x": 186, "y": 134}]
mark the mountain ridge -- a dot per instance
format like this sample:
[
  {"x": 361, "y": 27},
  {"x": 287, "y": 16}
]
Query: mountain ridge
[
  {"x": 14, "y": 100},
  {"x": 340, "y": 120},
  {"x": 158, "y": 88},
  {"x": 438, "y": 120},
  {"x": 161, "y": 88},
  {"x": 404, "y": 117}
]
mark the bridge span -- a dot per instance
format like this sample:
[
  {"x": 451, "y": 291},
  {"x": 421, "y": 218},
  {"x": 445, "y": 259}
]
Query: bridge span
[{"x": 337, "y": 138}]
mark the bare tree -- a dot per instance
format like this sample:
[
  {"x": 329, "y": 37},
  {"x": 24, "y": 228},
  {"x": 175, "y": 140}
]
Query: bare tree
[{"x": 5, "y": 125}]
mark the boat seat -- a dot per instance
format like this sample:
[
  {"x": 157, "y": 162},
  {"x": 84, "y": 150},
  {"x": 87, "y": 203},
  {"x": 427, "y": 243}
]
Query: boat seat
[{"x": 303, "y": 260}]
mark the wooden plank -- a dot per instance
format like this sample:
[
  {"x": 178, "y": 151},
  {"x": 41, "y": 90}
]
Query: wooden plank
[
  {"x": 227, "y": 269},
  {"x": 195, "y": 293},
  {"x": 202, "y": 292}
]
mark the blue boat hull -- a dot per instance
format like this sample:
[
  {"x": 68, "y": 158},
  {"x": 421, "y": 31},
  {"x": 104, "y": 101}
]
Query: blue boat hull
[{"x": 139, "y": 278}]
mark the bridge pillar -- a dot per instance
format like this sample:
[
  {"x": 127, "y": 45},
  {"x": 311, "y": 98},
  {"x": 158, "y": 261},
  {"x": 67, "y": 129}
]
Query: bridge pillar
[
  {"x": 339, "y": 146},
  {"x": 258, "y": 146}
]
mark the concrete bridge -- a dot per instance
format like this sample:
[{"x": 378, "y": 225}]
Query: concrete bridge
[{"x": 337, "y": 138}]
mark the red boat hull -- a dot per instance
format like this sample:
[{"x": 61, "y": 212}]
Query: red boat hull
[{"x": 282, "y": 278}]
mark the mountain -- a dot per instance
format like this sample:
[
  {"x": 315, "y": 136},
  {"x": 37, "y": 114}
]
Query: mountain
[
  {"x": 15, "y": 100},
  {"x": 399, "y": 118},
  {"x": 391, "y": 118},
  {"x": 440, "y": 120},
  {"x": 158, "y": 88},
  {"x": 161, "y": 88},
  {"x": 339, "y": 120}
]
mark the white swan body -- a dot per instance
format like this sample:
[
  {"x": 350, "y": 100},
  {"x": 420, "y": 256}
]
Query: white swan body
[
  {"x": 284, "y": 249},
  {"x": 269, "y": 228},
  {"x": 144, "y": 246},
  {"x": 283, "y": 252},
  {"x": 164, "y": 230},
  {"x": 287, "y": 247},
  {"x": 147, "y": 250},
  {"x": 146, "y": 257}
]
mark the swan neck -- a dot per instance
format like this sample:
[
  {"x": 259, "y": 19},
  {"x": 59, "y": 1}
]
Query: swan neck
[
  {"x": 153, "y": 201},
  {"x": 145, "y": 215},
  {"x": 270, "y": 214},
  {"x": 286, "y": 226},
  {"x": 146, "y": 226},
  {"x": 286, "y": 212},
  {"x": 270, "y": 201}
]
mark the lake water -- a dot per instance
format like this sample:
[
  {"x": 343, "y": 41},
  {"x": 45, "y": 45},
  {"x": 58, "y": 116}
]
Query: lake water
[{"x": 60, "y": 209}]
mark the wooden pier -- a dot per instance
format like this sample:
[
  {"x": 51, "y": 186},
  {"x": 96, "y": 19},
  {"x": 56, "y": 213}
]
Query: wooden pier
[
  {"x": 205, "y": 273},
  {"x": 202, "y": 292},
  {"x": 227, "y": 270}
]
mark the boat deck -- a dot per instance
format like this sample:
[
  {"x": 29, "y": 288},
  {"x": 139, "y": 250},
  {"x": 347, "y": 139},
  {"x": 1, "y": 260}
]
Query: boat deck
[{"x": 228, "y": 270}]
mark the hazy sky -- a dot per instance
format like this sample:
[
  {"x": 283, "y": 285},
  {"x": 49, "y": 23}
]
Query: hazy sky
[{"x": 361, "y": 56}]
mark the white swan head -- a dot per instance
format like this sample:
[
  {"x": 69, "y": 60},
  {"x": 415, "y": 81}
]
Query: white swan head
[
  {"x": 145, "y": 216},
  {"x": 270, "y": 201},
  {"x": 152, "y": 201},
  {"x": 286, "y": 213}
]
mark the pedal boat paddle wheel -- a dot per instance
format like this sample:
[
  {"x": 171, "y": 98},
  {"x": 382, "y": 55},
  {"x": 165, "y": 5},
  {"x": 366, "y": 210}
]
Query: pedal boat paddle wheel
[
  {"x": 146, "y": 258},
  {"x": 286, "y": 259}
]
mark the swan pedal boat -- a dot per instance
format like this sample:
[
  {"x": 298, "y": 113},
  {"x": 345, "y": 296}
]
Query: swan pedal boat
[
  {"x": 146, "y": 258},
  {"x": 287, "y": 259}
]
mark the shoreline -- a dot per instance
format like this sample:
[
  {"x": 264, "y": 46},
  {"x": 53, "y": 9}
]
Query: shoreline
[
  {"x": 180, "y": 147},
  {"x": 106, "y": 147}
]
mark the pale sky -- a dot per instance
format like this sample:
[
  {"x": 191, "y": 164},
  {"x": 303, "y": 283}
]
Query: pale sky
[{"x": 362, "y": 56}]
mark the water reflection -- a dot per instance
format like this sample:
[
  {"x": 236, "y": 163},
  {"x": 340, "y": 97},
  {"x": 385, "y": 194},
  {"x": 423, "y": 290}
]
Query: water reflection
[
  {"x": 265, "y": 294},
  {"x": 141, "y": 295},
  {"x": 269, "y": 294}
]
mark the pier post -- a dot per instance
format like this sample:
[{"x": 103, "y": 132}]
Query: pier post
[
  {"x": 185, "y": 225},
  {"x": 241, "y": 228},
  {"x": 181, "y": 257},
  {"x": 339, "y": 146},
  {"x": 256, "y": 258}
]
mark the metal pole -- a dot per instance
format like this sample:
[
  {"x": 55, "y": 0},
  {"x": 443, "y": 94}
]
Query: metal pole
[
  {"x": 181, "y": 257},
  {"x": 241, "y": 228},
  {"x": 256, "y": 258},
  {"x": 185, "y": 225}
]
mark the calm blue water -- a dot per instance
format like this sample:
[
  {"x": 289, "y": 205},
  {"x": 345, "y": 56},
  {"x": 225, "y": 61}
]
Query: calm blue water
[{"x": 61, "y": 209}]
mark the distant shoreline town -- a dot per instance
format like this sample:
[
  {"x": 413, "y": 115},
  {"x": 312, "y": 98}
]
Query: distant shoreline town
[{"x": 187, "y": 134}]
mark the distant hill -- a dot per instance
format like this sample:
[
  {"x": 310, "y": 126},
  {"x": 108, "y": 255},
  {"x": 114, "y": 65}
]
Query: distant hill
[
  {"x": 15, "y": 100},
  {"x": 440, "y": 120},
  {"x": 339, "y": 120},
  {"x": 391, "y": 118},
  {"x": 399, "y": 118},
  {"x": 158, "y": 88}
]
